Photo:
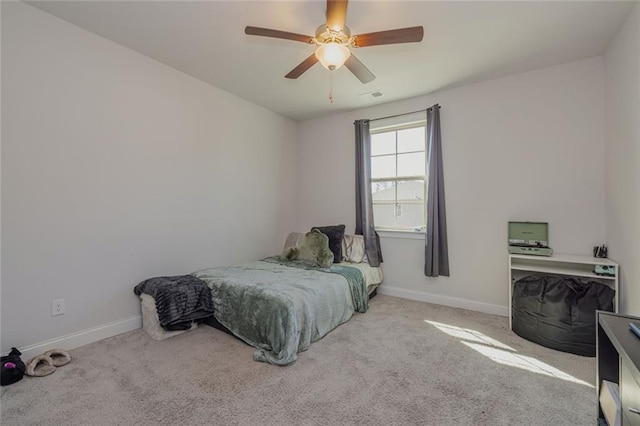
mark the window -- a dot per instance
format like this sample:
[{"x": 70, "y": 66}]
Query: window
[{"x": 398, "y": 170}]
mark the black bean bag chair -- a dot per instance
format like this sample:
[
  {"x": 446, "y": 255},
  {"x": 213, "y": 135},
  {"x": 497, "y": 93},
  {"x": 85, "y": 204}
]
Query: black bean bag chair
[{"x": 559, "y": 312}]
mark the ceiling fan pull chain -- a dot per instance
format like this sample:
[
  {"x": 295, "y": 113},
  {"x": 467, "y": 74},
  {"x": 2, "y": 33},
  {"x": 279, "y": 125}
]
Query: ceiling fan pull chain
[{"x": 330, "y": 86}]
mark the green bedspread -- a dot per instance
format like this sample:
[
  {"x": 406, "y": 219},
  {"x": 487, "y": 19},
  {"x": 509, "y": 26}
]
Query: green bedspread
[{"x": 280, "y": 307}]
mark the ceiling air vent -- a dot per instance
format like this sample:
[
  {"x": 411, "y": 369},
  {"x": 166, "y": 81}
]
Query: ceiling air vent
[{"x": 371, "y": 95}]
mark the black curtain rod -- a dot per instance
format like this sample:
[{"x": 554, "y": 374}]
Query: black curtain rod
[{"x": 400, "y": 115}]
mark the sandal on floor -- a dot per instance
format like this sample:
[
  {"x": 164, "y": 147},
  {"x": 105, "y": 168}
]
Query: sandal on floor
[
  {"x": 40, "y": 366},
  {"x": 60, "y": 357}
]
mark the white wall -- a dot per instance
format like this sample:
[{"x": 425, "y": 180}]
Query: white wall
[
  {"x": 104, "y": 150},
  {"x": 524, "y": 147},
  {"x": 622, "y": 88},
  {"x": 116, "y": 168}
]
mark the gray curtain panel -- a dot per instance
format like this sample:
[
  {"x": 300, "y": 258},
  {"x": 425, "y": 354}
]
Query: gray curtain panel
[
  {"x": 364, "y": 199},
  {"x": 436, "y": 250}
]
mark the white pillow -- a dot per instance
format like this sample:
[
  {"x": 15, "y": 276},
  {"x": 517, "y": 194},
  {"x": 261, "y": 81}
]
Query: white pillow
[{"x": 353, "y": 249}]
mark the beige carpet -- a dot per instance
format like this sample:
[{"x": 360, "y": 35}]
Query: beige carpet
[{"x": 386, "y": 367}]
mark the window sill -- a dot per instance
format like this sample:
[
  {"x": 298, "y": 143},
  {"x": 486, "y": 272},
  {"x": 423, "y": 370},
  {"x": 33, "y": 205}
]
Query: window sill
[{"x": 407, "y": 235}]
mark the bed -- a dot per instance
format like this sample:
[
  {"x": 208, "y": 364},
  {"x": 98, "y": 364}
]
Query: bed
[{"x": 281, "y": 306}]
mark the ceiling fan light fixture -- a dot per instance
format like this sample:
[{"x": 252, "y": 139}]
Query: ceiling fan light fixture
[{"x": 332, "y": 55}]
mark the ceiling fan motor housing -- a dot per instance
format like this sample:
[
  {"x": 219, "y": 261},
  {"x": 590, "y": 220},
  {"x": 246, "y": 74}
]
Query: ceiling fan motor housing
[{"x": 326, "y": 35}]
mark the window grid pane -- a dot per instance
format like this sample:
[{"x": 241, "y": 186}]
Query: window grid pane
[
  {"x": 383, "y": 191},
  {"x": 383, "y": 144},
  {"x": 411, "y": 164},
  {"x": 383, "y": 166},
  {"x": 411, "y": 140}
]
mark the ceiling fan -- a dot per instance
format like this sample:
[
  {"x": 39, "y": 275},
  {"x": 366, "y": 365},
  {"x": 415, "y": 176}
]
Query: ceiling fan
[{"x": 333, "y": 40}]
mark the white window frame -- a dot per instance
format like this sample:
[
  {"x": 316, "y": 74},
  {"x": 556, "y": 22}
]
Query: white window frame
[{"x": 396, "y": 179}]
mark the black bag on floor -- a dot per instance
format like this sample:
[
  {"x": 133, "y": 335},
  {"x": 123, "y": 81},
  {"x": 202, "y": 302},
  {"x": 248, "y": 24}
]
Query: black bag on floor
[
  {"x": 559, "y": 312},
  {"x": 12, "y": 368}
]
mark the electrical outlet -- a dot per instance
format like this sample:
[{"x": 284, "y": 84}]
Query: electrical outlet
[{"x": 57, "y": 307}]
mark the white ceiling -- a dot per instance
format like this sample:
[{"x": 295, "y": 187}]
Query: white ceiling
[{"x": 464, "y": 42}]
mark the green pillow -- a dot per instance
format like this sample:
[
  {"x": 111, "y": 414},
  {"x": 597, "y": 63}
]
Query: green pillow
[
  {"x": 314, "y": 249},
  {"x": 336, "y": 235}
]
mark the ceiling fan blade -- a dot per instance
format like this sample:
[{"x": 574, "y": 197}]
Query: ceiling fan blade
[
  {"x": 266, "y": 32},
  {"x": 304, "y": 65},
  {"x": 359, "y": 70},
  {"x": 336, "y": 14},
  {"x": 401, "y": 35}
]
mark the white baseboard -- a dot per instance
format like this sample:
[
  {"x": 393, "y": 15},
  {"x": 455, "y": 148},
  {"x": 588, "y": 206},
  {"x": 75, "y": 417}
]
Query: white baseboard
[
  {"x": 454, "y": 302},
  {"x": 84, "y": 337}
]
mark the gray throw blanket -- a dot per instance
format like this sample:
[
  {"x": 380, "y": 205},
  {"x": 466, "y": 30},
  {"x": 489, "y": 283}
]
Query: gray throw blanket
[
  {"x": 281, "y": 306},
  {"x": 179, "y": 300}
]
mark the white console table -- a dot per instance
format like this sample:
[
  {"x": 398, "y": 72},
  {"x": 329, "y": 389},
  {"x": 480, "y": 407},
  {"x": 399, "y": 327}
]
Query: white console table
[{"x": 521, "y": 265}]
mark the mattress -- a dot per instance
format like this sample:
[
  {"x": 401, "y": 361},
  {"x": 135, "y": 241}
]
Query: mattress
[{"x": 372, "y": 274}]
